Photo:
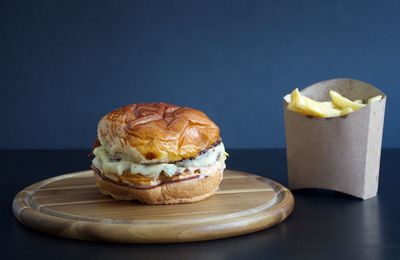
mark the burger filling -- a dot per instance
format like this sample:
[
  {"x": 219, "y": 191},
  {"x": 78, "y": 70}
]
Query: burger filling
[{"x": 119, "y": 169}]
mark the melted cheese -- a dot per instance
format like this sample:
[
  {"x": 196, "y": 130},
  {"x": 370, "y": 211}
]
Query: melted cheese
[{"x": 104, "y": 162}]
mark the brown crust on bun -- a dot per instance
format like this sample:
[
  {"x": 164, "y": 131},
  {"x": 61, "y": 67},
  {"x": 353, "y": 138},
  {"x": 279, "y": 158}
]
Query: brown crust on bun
[
  {"x": 185, "y": 191},
  {"x": 157, "y": 132}
]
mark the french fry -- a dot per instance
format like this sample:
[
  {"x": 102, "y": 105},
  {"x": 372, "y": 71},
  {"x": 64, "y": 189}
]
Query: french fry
[
  {"x": 320, "y": 110},
  {"x": 346, "y": 111},
  {"x": 310, "y": 107},
  {"x": 343, "y": 102},
  {"x": 295, "y": 95},
  {"x": 297, "y": 103},
  {"x": 374, "y": 99},
  {"x": 287, "y": 98},
  {"x": 328, "y": 104},
  {"x": 359, "y": 101}
]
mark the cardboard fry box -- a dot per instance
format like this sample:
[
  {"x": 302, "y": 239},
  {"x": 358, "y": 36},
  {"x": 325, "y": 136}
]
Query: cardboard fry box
[{"x": 341, "y": 153}]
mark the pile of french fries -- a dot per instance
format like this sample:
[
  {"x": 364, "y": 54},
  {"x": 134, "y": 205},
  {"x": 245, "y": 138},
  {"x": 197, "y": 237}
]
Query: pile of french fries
[{"x": 338, "y": 106}]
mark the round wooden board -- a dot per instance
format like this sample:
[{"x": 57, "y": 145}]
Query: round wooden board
[{"x": 71, "y": 206}]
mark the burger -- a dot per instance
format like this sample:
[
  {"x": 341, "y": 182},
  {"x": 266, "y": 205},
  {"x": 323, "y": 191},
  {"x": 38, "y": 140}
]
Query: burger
[{"x": 158, "y": 153}]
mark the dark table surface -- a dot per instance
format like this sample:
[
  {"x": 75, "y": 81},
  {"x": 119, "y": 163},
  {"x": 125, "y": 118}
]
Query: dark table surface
[{"x": 323, "y": 224}]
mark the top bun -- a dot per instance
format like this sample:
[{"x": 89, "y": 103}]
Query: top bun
[{"x": 156, "y": 132}]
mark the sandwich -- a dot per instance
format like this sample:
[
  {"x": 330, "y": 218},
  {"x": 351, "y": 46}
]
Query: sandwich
[{"x": 158, "y": 153}]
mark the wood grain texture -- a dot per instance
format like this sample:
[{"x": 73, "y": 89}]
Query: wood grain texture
[{"x": 71, "y": 206}]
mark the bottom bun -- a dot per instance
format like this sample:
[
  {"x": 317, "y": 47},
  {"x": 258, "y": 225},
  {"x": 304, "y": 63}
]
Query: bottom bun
[{"x": 185, "y": 191}]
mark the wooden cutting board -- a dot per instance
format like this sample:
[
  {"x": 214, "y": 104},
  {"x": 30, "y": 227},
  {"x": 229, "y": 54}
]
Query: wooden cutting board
[{"x": 71, "y": 206}]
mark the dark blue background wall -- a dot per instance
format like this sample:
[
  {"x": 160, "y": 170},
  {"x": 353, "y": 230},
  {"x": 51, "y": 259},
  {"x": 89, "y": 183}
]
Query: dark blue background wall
[{"x": 66, "y": 63}]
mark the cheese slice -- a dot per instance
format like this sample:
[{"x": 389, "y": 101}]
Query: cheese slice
[{"x": 104, "y": 162}]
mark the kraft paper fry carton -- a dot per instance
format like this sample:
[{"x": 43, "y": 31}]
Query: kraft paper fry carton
[{"x": 340, "y": 153}]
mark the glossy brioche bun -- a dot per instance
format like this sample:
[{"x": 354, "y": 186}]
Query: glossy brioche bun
[
  {"x": 186, "y": 191},
  {"x": 157, "y": 132}
]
